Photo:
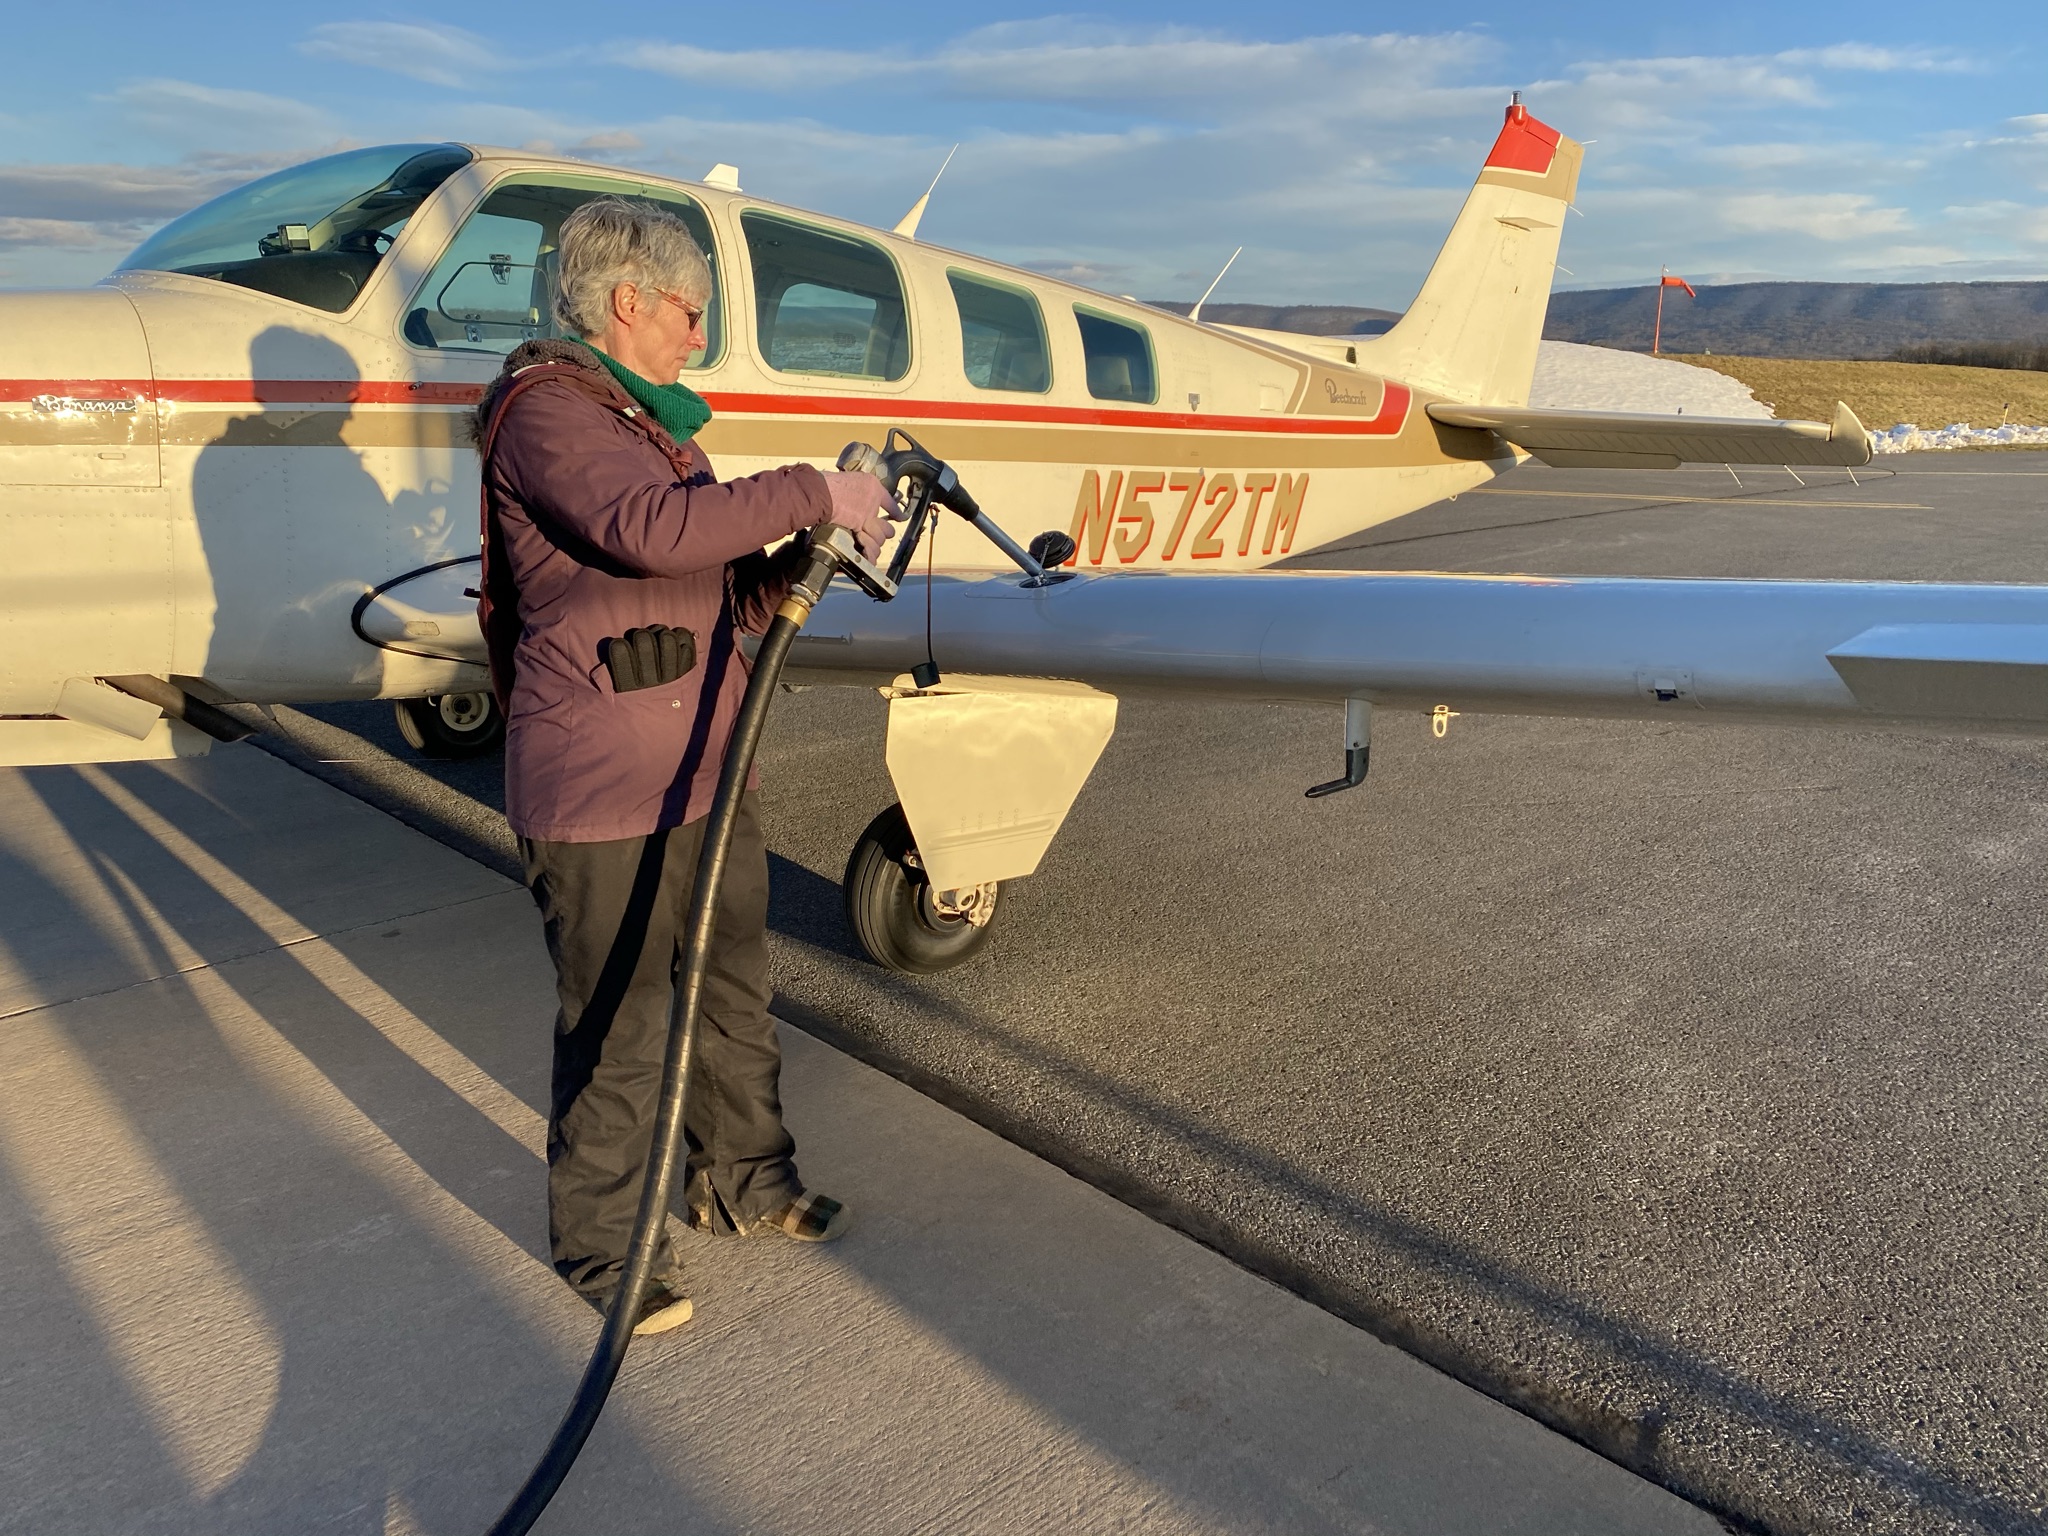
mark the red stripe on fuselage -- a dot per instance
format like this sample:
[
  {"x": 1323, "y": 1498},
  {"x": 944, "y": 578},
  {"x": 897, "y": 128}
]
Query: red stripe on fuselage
[
  {"x": 17, "y": 390},
  {"x": 1393, "y": 411},
  {"x": 247, "y": 391}
]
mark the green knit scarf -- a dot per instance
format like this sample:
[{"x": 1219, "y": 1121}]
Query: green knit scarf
[{"x": 677, "y": 407}]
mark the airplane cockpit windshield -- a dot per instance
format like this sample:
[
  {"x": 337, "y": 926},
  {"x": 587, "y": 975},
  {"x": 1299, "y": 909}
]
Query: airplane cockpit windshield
[{"x": 312, "y": 234}]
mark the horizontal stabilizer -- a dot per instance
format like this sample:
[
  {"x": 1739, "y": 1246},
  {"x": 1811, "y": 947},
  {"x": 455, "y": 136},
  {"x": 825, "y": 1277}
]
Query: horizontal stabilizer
[
  {"x": 1631, "y": 440},
  {"x": 1949, "y": 671}
]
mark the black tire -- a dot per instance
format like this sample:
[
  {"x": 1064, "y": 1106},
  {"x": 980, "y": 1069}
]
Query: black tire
[
  {"x": 889, "y": 908},
  {"x": 451, "y": 724}
]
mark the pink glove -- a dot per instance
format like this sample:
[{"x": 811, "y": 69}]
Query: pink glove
[{"x": 859, "y": 503}]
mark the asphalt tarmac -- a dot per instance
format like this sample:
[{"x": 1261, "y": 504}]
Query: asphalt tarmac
[{"x": 1683, "y": 1086}]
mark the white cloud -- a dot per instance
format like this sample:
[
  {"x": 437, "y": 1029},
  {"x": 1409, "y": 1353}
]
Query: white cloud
[
  {"x": 207, "y": 117},
  {"x": 1809, "y": 158},
  {"x": 427, "y": 51},
  {"x": 1870, "y": 57},
  {"x": 1888, "y": 257},
  {"x": 124, "y": 193},
  {"x": 611, "y": 141},
  {"x": 57, "y": 234},
  {"x": 1822, "y": 215},
  {"x": 1640, "y": 94},
  {"x": 761, "y": 69},
  {"x": 1090, "y": 274},
  {"x": 108, "y": 209},
  {"x": 1199, "y": 75},
  {"x": 2024, "y": 222}
]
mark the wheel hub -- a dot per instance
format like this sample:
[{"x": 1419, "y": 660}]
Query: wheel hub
[
  {"x": 975, "y": 904},
  {"x": 464, "y": 711}
]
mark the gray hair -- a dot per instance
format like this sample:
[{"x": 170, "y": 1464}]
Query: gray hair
[{"x": 611, "y": 240}]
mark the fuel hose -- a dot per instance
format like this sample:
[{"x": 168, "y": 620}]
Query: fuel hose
[{"x": 610, "y": 1354}]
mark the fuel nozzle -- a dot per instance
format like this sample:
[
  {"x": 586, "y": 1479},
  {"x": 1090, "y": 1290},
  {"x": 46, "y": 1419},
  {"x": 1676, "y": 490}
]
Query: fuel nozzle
[{"x": 923, "y": 480}]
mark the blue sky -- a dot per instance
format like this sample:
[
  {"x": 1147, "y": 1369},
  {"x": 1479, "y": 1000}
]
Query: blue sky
[{"x": 1129, "y": 149}]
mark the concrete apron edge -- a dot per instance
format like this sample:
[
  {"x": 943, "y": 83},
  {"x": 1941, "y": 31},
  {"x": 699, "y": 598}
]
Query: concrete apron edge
[{"x": 1630, "y": 1442}]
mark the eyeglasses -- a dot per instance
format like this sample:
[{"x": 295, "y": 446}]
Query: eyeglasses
[{"x": 694, "y": 316}]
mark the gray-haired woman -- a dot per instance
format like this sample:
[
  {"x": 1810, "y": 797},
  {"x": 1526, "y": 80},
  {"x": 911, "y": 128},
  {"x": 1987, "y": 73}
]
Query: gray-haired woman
[{"x": 619, "y": 576}]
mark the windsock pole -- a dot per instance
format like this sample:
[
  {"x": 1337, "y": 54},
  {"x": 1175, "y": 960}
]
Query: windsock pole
[{"x": 1666, "y": 280}]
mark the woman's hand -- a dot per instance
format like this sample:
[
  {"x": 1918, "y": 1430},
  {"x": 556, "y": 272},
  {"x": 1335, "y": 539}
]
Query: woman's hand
[{"x": 861, "y": 505}]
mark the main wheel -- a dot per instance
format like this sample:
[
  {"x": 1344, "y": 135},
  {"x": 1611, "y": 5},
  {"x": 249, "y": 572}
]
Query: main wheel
[
  {"x": 899, "y": 920},
  {"x": 451, "y": 724}
]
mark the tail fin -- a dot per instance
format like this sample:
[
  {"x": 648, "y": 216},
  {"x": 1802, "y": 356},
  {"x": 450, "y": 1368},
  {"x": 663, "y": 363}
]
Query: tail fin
[{"x": 1471, "y": 333}]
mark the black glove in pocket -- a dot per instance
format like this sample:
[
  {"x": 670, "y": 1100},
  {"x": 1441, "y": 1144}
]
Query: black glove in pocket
[{"x": 649, "y": 658}]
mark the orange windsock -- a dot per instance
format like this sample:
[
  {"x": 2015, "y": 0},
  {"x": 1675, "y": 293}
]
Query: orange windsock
[{"x": 1679, "y": 282}]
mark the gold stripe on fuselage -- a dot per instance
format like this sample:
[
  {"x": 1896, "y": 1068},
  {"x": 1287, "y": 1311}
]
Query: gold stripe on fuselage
[{"x": 316, "y": 426}]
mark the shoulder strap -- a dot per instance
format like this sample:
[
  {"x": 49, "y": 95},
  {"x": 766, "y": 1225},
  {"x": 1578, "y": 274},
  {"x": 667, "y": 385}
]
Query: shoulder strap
[{"x": 497, "y": 603}]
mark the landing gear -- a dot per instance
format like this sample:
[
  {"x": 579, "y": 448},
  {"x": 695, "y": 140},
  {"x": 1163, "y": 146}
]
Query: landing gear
[
  {"x": 451, "y": 724},
  {"x": 902, "y": 923}
]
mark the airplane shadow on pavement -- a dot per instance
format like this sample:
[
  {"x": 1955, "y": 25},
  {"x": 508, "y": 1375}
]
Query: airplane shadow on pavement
[{"x": 281, "y": 1259}]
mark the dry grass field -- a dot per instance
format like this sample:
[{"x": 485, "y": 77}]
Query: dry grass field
[{"x": 1885, "y": 394}]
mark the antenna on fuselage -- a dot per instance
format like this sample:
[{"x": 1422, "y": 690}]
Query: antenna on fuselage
[
  {"x": 724, "y": 176},
  {"x": 907, "y": 225},
  {"x": 1195, "y": 314}
]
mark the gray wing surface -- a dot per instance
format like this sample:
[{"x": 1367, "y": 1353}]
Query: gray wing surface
[{"x": 1844, "y": 654}]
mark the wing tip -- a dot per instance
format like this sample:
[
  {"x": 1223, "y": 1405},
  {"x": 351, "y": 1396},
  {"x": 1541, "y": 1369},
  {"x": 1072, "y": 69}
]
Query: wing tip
[{"x": 1846, "y": 428}]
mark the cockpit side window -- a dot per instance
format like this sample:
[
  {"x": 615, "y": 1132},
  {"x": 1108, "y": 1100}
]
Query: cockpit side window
[
  {"x": 311, "y": 234},
  {"x": 494, "y": 286},
  {"x": 825, "y": 302}
]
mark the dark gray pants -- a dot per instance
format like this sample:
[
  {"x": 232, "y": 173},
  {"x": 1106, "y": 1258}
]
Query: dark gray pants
[{"x": 614, "y": 914}]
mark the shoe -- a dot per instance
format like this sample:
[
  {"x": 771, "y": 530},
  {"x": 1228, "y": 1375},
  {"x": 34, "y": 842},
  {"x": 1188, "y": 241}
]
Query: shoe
[
  {"x": 809, "y": 1218},
  {"x": 705, "y": 1211},
  {"x": 662, "y": 1307}
]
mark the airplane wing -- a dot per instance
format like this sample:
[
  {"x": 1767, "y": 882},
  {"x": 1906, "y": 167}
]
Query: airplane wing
[
  {"x": 1630, "y": 440},
  {"x": 1846, "y": 654}
]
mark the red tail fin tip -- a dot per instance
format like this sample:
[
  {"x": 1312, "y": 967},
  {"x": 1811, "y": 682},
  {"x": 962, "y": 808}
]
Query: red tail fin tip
[{"x": 1524, "y": 143}]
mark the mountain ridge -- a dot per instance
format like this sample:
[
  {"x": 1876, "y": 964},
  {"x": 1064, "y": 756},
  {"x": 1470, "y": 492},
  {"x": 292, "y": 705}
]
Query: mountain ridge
[{"x": 1775, "y": 319}]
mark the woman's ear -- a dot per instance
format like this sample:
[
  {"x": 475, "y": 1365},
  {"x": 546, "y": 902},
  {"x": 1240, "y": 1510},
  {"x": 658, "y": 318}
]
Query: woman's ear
[{"x": 625, "y": 303}]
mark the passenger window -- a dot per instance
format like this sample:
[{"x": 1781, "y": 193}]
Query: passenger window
[
  {"x": 825, "y": 302},
  {"x": 494, "y": 286},
  {"x": 1119, "y": 357},
  {"x": 1002, "y": 335}
]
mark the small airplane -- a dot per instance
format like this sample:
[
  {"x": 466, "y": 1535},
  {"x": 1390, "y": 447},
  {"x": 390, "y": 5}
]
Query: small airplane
[{"x": 239, "y": 470}]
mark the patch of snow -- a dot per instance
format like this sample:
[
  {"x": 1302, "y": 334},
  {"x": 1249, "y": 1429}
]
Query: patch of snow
[
  {"x": 1907, "y": 438},
  {"x": 1580, "y": 378}
]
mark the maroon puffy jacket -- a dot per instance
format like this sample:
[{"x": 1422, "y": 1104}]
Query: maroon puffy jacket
[{"x": 596, "y": 522}]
